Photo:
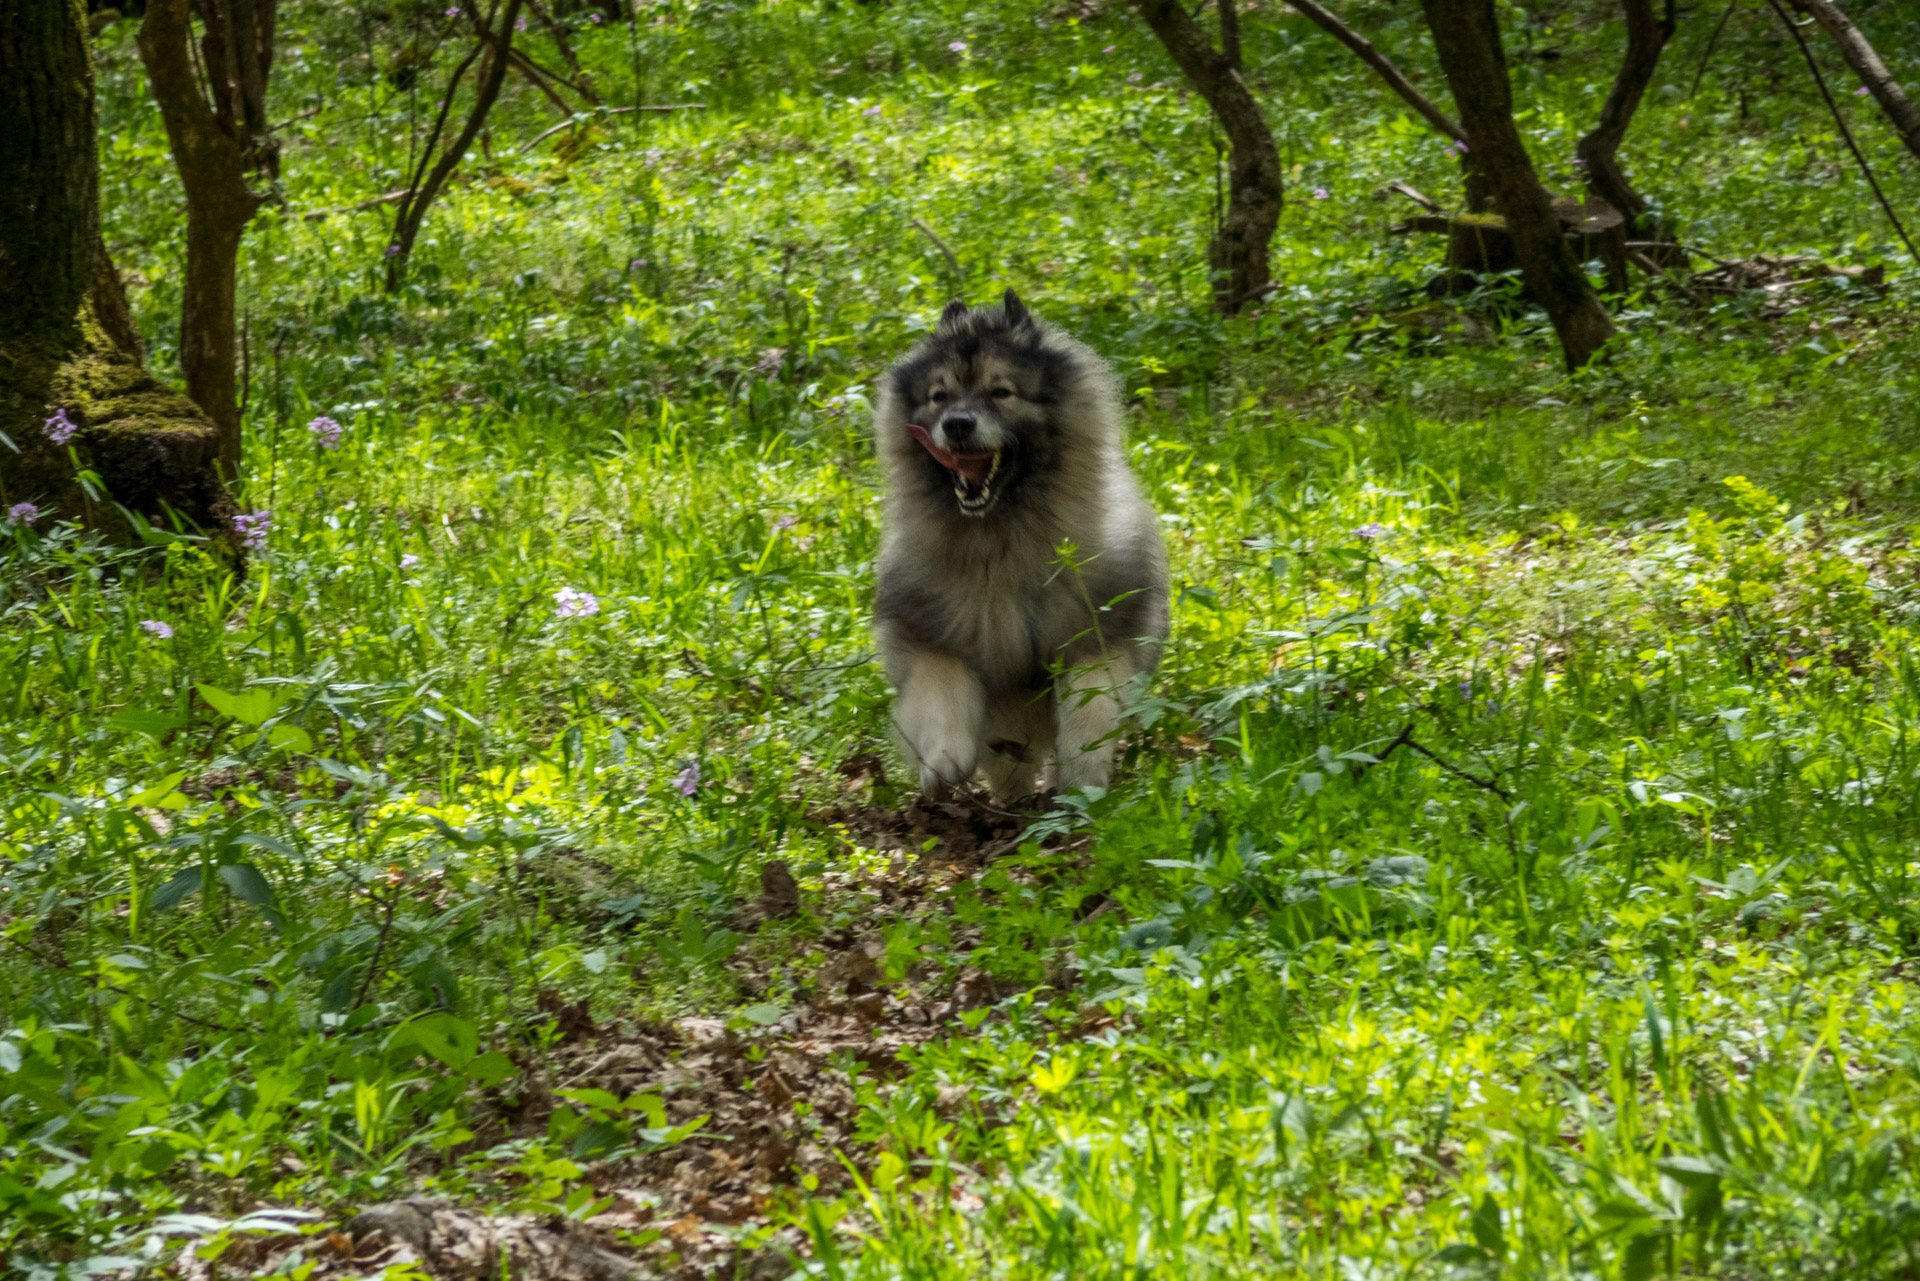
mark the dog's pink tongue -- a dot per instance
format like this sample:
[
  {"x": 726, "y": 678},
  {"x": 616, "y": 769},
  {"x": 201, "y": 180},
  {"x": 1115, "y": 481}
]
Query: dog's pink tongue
[{"x": 975, "y": 467}]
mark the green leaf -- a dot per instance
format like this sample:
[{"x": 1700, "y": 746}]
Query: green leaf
[
  {"x": 183, "y": 884},
  {"x": 1486, "y": 1227},
  {"x": 339, "y": 990},
  {"x": 451, "y": 1040},
  {"x": 250, "y": 887},
  {"x": 290, "y": 737},
  {"x": 490, "y": 1068},
  {"x": 1638, "y": 1261},
  {"x": 764, "y": 1015},
  {"x": 252, "y": 707},
  {"x": 10, "y": 1059},
  {"x": 136, "y": 720}
]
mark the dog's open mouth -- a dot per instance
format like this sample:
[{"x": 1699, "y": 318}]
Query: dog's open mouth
[{"x": 972, "y": 474}]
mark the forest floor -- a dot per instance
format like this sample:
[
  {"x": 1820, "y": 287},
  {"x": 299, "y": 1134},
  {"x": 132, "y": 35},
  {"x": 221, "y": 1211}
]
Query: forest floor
[{"x": 1512, "y": 870}]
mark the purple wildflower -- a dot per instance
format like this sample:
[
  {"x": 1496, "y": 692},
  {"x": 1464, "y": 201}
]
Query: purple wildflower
[
  {"x": 1371, "y": 530},
  {"x": 23, "y": 514},
  {"x": 158, "y": 628},
  {"x": 638, "y": 263},
  {"x": 1135, "y": 78},
  {"x": 60, "y": 428},
  {"x": 874, "y": 110},
  {"x": 453, "y": 11},
  {"x": 1459, "y": 147},
  {"x": 595, "y": 19},
  {"x": 253, "y": 528},
  {"x": 770, "y": 361},
  {"x": 520, "y": 23},
  {"x": 786, "y": 522},
  {"x": 687, "y": 781},
  {"x": 326, "y": 432},
  {"x": 958, "y": 46},
  {"x": 393, "y": 251},
  {"x": 571, "y": 603},
  {"x": 1861, "y": 92},
  {"x": 1321, "y": 193},
  {"x": 408, "y": 560},
  {"x": 1110, "y": 48}
]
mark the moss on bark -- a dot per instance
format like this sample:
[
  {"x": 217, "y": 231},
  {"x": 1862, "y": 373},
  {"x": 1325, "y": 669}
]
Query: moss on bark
[{"x": 66, "y": 341}]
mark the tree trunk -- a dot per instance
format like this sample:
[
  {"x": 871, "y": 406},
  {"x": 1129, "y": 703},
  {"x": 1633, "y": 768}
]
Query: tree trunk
[
  {"x": 67, "y": 343},
  {"x": 426, "y": 184},
  {"x": 1466, "y": 33},
  {"x": 1866, "y": 64},
  {"x": 1238, "y": 254},
  {"x": 217, "y": 148},
  {"x": 1599, "y": 150}
]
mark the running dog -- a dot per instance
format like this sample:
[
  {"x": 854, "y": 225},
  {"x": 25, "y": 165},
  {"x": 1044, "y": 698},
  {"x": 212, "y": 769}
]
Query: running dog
[{"x": 1022, "y": 580}]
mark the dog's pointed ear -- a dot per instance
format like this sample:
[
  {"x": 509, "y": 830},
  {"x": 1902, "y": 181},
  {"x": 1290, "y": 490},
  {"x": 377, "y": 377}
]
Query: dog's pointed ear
[
  {"x": 950, "y": 318},
  {"x": 1016, "y": 311}
]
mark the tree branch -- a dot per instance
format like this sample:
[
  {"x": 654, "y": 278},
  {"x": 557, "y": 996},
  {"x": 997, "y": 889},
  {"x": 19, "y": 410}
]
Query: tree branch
[
  {"x": 1382, "y": 66},
  {"x": 1866, "y": 64},
  {"x": 1845, "y": 132}
]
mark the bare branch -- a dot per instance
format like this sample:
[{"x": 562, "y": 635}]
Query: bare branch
[{"x": 1382, "y": 66}]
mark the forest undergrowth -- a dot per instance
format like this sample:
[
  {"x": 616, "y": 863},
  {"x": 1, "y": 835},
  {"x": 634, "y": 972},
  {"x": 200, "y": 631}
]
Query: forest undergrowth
[{"x": 1512, "y": 870}]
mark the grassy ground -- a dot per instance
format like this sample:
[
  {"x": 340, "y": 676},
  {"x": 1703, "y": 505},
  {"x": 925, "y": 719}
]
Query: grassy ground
[{"x": 1513, "y": 871}]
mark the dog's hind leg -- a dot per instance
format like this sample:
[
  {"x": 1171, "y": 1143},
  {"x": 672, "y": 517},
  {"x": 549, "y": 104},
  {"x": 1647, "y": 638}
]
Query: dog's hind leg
[
  {"x": 1089, "y": 721},
  {"x": 938, "y": 717},
  {"x": 1016, "y": 739}
]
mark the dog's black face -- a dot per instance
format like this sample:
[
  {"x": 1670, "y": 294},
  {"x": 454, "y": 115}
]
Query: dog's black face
[{"x": 980, "y": 401}]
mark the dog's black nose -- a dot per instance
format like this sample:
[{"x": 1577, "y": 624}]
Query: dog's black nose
[{"x": 959, "y": 427}]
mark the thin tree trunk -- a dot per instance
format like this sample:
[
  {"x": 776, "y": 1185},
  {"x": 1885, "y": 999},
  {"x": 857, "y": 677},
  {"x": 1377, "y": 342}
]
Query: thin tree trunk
[
  {"x": 1466, "y": 34},
  {"x": 1599, "y": 150},
  {"x": 581, "y": 81},
  {"x": 68, "y": 348},
  {"x": 423, "y": 188},
  {"x": 217, "y": 148},
  {"x": 1866, "y": 64},
  {"x": 1239, "y": 252}
]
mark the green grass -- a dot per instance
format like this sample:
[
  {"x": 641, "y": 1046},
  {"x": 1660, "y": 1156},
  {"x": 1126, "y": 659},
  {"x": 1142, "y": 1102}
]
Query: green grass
[{"x": 1513, "y": 873}]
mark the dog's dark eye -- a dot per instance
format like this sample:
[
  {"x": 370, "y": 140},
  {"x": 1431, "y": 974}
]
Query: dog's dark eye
[
  {"x": 941, "y": 397},
  {"x": 1001, "y": 393}
]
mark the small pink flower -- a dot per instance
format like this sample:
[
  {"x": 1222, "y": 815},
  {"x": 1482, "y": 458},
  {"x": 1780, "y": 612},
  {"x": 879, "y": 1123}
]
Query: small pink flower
[
  {"x": 687, "y": 781},
  {"x": 453, "y": 11},
  {"x": 408, "y": 560},
  {"x": 594, "y": 18},
  {"x": 326, "y": 432},
  {"x": 1370, "y": 531},
  {"x": 253, "y": 528},
  {"x": 1321, "y": 193},
  {"x": 60, "y": 428},
  {"x": 571, "y": 603},
  {"x": 23, "y": 514},
  {"x": 1110, "y": 48},
  {"x": 872, "y": 111},
  {"x": 958, "y": 46},
  {"x": 1861, "y": 92},
  {"x": 158, "y": 628}
]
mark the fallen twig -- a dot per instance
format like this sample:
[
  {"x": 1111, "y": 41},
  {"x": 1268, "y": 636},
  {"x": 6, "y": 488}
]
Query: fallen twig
[
  {"x": 1406, "y": 739},
  {"x": 392, "y": 197},
  {"x": 586, "y": 117}
]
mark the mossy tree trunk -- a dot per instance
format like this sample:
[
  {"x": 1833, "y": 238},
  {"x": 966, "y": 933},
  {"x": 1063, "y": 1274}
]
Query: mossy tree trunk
[
  {"x": 218, "y": 130},
  {"x": 1466, "y": 34},
  {"x": 67, "y": 341}
]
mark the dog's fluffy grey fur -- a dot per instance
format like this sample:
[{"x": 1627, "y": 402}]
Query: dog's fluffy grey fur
[{"x": 1022, "y": 580}]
